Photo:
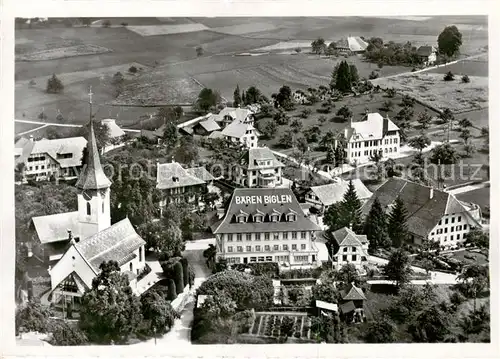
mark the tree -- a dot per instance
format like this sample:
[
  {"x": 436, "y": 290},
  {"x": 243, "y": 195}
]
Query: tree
[
  {"x": 447, "y": 116},
  {"x": 325, "y": 291},
  {"x": 170, "y": 135},
  {"x": 219, "y": 306},
  {"x": 253, "y": 95},
  {"x": 424, "y": 119},
  {"x": 318, "y": 46},
  {"x": 465, "y": 123},
  {"x": 110, "y": 310},
  {"x": 444, "y": 154},
  {"x": 287, "y": 139},
  {"x": 396, "y": 227},
  {"x": 54, "y": 85},
  {"x": 270, "y": 129},
  {"x": 237, "y": 97},
  {"x": 376, "y": 227},
  {"x": 477, "y": 238},
  {"x": 420, "y": 142},
  {"x": 381, "y": 330},
  {"x": 322, "y": 119},
  {"x": 287, "y": 327},
  {"x": 172, "y": 290},
  {"x": 178, "y": 277},
  {"x": 207, "y": 99},
  {"x": 344, "y": 112},
  {"x": 475, "y": 326},
  {"x": 428, "y": 265},
  {"x": 474, "y": 279},
  {"x": 64, "y": 334},
  {"x": 430, "y": 325},
  {"x": 33, "y": 317},
  {"x": 343, "y": 80},
  {"x": 405, "y": 114},
  {"x": 298, "y": 50},
  {"x": 351, "y": 208},
  {"x": 305, "y": 113},
  {"x": 284, "y": 98},
  {"x": 187, "y": 151},
  {"x": 59, "y": 117},
  {"x": 353, "y": 72},
  {"x": 348, "y": 274},
  {"x": 449, "y": 41},
  {"x": 157, "y": 310},
  {"x": 407, "y": 101},
  {"x": 102, "y": 136},
  {"x": 398, "y": 268},
  {"x": 132, "y": 69},
  {"x": 388, "y": 105},
  {"x": 199, "y": 51},
  {"x": 465, "y": 79},
  {"x": 296, "y": 125},
  {"x": 449, "y": 76}
]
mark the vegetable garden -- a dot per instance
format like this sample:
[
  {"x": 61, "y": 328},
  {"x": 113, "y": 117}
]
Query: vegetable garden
[{"x": 268, "y": 324}]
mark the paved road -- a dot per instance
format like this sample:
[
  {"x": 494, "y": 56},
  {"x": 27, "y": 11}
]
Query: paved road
[
  {"x": 469, "y": 188},
  {"x": 44, "y": 124}
]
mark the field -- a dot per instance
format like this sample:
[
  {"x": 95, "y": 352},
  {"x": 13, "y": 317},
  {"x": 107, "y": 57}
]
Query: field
[
  {"x": 268, "y": 325},
  {"x": 434, "y": 91},
  {"x": 474, "y": 67},
  {"x": 481, "y": 197},
  {"x": 153, "y": 30},
  {"x": 62, "y": 52}
]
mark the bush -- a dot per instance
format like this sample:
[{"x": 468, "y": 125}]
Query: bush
[
  {"x": 33, "y": 317},
  {"x": 465, "y": 79},
  {"x": 132, "y": 69},
  {"x": 449, "y": 76},
  {"x": 268, "y": 269},
  {"x": 172, "y": 291},
  {"x": 185, "y": 271},
  {"x": 54, "y": 85},
  {"x": 124, "y": 24},
  {"x": 373, "y": 75},
  {"x": 178, "y": 277},
  {"x": 322, "y": 119},
  {"x": 32, "y": 83},
  {"x": 64, "y": 334}
]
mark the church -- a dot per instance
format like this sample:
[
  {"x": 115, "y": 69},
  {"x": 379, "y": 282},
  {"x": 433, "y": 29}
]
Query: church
[{"x": 78, "y": 242}]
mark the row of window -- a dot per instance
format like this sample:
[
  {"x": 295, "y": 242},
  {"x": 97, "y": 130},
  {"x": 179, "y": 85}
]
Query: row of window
[
  {"x": 267, "y": 236},
  {"x": 452, "y": 229},
  {"x": 279, "y": 259},
  {"x": 452, "y": 238},
  {"x": 459, "y": 219},
  {"x": 35, "y": 159},
  {"x": 373, "y": 143},
  {"x": 254, "y": 173},
  {"x": 353, "y": 249},
  {"x": 266, "y": 248},
  {"x": 89, "y": 209},
  {"x": 390, "y": 141},
  {"x": 258, "y": 218},
  {"x": 369, "y": 152},
  {"x": 345, "y": 258}
]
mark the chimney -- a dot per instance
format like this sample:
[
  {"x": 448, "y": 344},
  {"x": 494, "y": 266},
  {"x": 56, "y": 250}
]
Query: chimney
[
  {"x": 70, "y": 237},
  {"x": 220, "y": 212},
  {"x": 431, "y": 193}
]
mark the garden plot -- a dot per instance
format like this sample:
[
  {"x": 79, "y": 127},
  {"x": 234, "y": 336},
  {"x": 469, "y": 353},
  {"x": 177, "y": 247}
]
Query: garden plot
[
  {"x": 153, "y": 30},
  {"x": 268, "y": 325},
  {"x": 242, "y": 29},
  {"x": 63, "y": 52},
  {"x": 432, "y": 90}
]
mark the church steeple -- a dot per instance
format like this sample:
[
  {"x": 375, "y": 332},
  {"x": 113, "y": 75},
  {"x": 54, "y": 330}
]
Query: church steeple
[{"x": 92, "y": 176}]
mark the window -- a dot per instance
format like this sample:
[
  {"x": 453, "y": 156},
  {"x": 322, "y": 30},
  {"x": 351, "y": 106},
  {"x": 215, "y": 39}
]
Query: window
[
  {"x": 230, "y": 249},
  {"x": 257, "y": 236},
  {"x": 42, "y": 167},
  {"x": 354, "y": 257},
  {"x": 274, "y": 218},
  {"x": 30, "y": 168},
  {"x": 303, "y": 246},
  {"x": 458, "y": 236},
  {"x": 285, "y": 247},
  {"x": 131, "y": 267},
  {"x": 385, "y": 150},
  {"x": 465, "y": 227},
  {"x": 276, "y": 247},
  {"x": 266, "y": 236},
  {"x": 395, "y": 140},
  {"x": 344, "y": 258},
  {"x": 242, "y": 219},
  {"x": 269, "y": 259},
  {"x": 267, "y": 248},
  {"x": 88, "y": 209},
  {"x": 354, "y": 249},
  {"x": 249, "y": 248},
  {"x": 303, "y": 235},
  {"x": 240, "y": 248},
  {"x": 102, "y": 206},
  {"x": 230, "y": 237},
  {"x": 294, "y": 247},
  {"x": 440, "y": 231},
  {"x": 285, "y": 235},
  {"x": 452, "y": 219},
  {"x": 452, "y": 229},
  {"x": 238, "y": 237},
  {"x": 276, "y": 236},
  {"x": 445, "y": 229},
  {"x": 445, "y": 238},
  {"x": 459, "y": 219},
  {"x": 249, "y": 236},
  {"x": 459, "y": 228},
  {"x": 257, "y": 218},
  {"x": 345, "y": 249},
  {"x": 254, "y": 181},
  {"x": 253, "y": 259},
  {"x": 36, "y": 167},
  {"x": 446, "y": 221},
  {"x": 291, "y": 217},
  {"x": 451, "y": 237},
  {"x": 140, "y": 254},
  {"x": 395, "y": 149},
  {"x": 294, "y": 235},
  {"x": 261, "y": 259},
  {"x": 440, "y": 221},
  {"x": 257, "y": 248}
]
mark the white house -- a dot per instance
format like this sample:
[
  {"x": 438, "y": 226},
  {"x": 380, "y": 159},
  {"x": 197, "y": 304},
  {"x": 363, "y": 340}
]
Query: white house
[
  {"x": 428, "y": 54},
  {"x": 432, "y": 214},
  {"x": 59, "y": 157},
  {"x": 374, "y": 134},
  {"x": 352, "y": 249},
  {"x": 242, "y": 132},
  {"x": 258, "y": 167}
]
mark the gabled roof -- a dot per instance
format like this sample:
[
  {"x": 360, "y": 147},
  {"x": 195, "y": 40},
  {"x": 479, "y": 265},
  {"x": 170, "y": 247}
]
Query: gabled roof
[
  {"x": 347, "y": 307},
  {"x": 341, "y": 44},
  {"x": 374, "y": 126},
  {"x": 251, "y": 199},
  {"x": 426, "y": 50},
  {"x": 347, "y": 237},
  {"x": 172, "y": 175},
  {"x": 329, "y": 194},
  {"x": 54, "y": 228},
  {"x": 114, "y": 130},
  {"x": 116, "y": 243},
  {"x": 356, "y": 43},
  {"x": 201, "y": 173},
  {"x": 424, "y": 212},
  {"x": 236, "y": 113},
  {"x": 92, "y": 176},
  {"x": 209, "y": 125},
  {"x": 251, "y": 157},
  {"x": 353, "y": 293},
  {"x": 216, "y": 134},
  {"x": 237, "y": 129}
]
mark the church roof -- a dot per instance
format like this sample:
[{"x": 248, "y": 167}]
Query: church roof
[{"x": 92, "y": 176}]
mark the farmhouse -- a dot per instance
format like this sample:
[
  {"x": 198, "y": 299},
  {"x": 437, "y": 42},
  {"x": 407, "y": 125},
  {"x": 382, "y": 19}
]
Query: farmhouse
[
  {"x": 432, "y": 214},
  {"x": 428, "y": 55},
  {"x": 206, "y": 127},
  {"x": 241, "y": 131},
  {"x": 258, "y": 167},
  {"x": 356, "y": 44},
  {"x": 342, "y": 46},
  {"x": 179, "y": 185},
  {"x": 374, "y": 134},
  {"x": 229, "y": 115},
  {"x": 41, "y": 159},
  {"x": 321, "y": 197},
  {"x": 352, "y": 249},
  {"x": 85, "y": 238},
  {"x": 266, "y": 225},
  {"x": 115, "y": 132}
]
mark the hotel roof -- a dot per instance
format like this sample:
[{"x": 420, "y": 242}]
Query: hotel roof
[
  {"x": 252, "y": 200},
  {"x": 329, "y": 194}
]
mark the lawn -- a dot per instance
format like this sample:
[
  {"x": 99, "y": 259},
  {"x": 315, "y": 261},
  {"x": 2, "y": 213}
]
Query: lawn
[
  {"x": 23, "y": 127},
  {"x": 474, "y": 67},
  {"x": 153, "y": 30},
  {"x": 480, "y": 196},
  {"x": 468, "y": 257},
  {"x": 433, "y": 90}
]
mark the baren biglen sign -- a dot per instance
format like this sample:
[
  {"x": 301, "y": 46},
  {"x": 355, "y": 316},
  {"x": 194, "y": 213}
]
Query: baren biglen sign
[{"x": 269, "y": 199}]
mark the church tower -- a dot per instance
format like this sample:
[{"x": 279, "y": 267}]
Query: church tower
[{"x": 94, "y": 189}]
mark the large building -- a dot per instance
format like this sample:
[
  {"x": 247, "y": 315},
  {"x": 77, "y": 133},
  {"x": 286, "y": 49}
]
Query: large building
[
  {"x": 266, "y": 225},
  {"x": 84, "y": 239},
  {"x": 258, "y": 167},
  {"x": 61, "y": 157},
  {"x": 432, "y": 214},
  {"x": 374, "y": 134}
]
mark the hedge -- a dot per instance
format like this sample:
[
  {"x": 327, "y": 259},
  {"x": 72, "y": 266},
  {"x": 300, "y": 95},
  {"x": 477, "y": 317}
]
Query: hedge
[
  {"x": 172, "y": 292},
  {"x": 178, "y": 277},
  {"x": 185, "y": 271}
]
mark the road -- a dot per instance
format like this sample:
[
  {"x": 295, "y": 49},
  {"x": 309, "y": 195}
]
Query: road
[
  {"x": 44, "y": 124},
  {"x": 468, "y": 188}
]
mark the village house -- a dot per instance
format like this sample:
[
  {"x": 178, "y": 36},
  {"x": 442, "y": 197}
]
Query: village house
[
  {"x": 116, "y": 134},
  {"x": 79, "y": 242},
  {"x": 266, "y": 225},
  {"x": 180, "y": 185},
  {"x": 432, "y": 214},
  {"x": 356, "y": 44},
  {"x": 321, "y": 197},
  {"x": 374, "y": 134},
  {"x": 241, "y": 132},
  {"x": 351, "y": 249},
  {"x": 342, "y": 46},
  {"x": 41, "y": 159},
  {"x": 428, "y": 55},
  {"x": 351, "y": 306},
  {"x": 258, "y": 167}
]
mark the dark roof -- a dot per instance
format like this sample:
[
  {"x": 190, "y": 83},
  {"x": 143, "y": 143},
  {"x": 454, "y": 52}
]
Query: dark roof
[
  {"x": 250, "y": 201},
  {"x": 423, "y": 212},
  {"x": 341, "y": 44},
  {"x": 353, "y": 293},
  {"x": 347, "y": 237},
  {"x": 92, "y": 176},
  {"x": 426, "y": 50},
  {"x": 347, "y": 307}
]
